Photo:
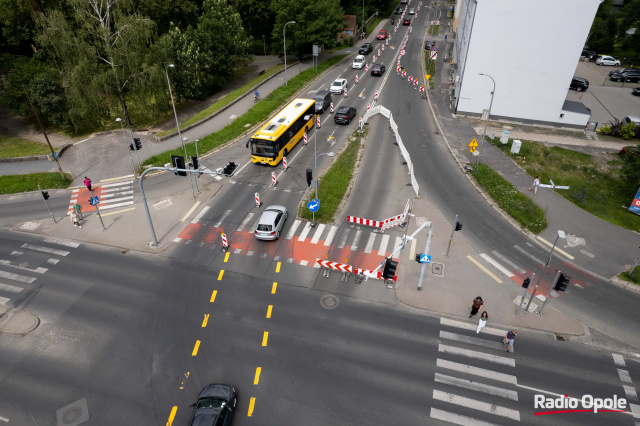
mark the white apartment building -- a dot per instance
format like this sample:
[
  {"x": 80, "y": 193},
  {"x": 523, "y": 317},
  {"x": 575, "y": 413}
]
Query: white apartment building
[{"x": 530, "y": 49}]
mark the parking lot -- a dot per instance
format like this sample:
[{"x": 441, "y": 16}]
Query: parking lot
[{"x": 606, "y": 99}]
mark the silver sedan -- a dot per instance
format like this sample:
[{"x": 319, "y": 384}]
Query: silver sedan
[{"x": 271, "y": 223}]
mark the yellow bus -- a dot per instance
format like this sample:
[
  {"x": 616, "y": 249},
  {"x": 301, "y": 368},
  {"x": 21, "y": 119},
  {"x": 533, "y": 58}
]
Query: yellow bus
[{"x": 277, "y": 138}]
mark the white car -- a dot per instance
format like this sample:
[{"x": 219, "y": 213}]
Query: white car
[
  {"x": 608, "y": 60},
  {"x": 338, "y": 86},
  {"x": 358, "y": 62},
  {"x": 271, "y": 223},
  {"x": 412, "y": 11}
]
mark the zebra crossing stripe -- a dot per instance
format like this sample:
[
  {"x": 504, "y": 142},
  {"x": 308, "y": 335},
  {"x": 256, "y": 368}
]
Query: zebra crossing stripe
[
  {"x": 38, "y": 270},
  {"x": 61, "y": 242},
  {"x": 624, "y": 376},
  {"x": 618, "y": 360},
  {"x": 529, "y": 255},
  {"x": 316, "y": 236},
  {"x": 244, "y": 222},
  {"x": 469, "y": 326},
  {"x": 10, "y": 288},
  {"x": 458, "y": 419},
  {"x": 45, "y": 249},
  {"x": 412, "y": 249},
  {"x": 630, "y": 392},
  {"x": 509, "y": 262},
  {"x": 491, "y": 344},
  {"x": 293, "y": 228},
  {"x": 343, "y": 241},
  {"x": 224, "y": 216},
  {"x": 305, "y": 231},
  {"x": 476, "y": 405},
  {"x": 485, "y": 270},
  {"x": 16, "y": 277},
  {"x": 111, "y": 185},
  {"x": 199, "y": 215},
  {"x": 382, "y": 250},
  {"x": 476, "y": 386},
  {"x": 370, "y": 241},
  {"x": 115, "y": 194},
  {"x": 396, "y": 246},
  {"x": 477, "y": 371},
  {"x": 496, "y": 265},
  {"x": 354, "y": 244},
  {"x": 4, "y": 300},
  {"x": 510, "y": 362},
  {"x": 331, "y": 236}
]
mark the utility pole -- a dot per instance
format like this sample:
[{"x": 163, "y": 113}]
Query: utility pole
[{"x": 553, "y": 187}]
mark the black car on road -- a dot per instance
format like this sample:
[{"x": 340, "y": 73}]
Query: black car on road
[
  {"x": 429, "y": 44},
  {"x": 344, "y": 115},
  {"x": 621, "y": 70},
  {"x": 627, "y": 76},
  {"x": 365, "y": 49},
  {"x": 579, "y": 84},
  {"x": 215, "y": 406},
  {"x": 636, "y": 91},
  {"x": 377, "y": 69}
]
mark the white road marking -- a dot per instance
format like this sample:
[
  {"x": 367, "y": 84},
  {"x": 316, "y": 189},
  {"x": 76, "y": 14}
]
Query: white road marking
[
  {"x": 111, "y": 185},
  {"x": 16, "y": 277},
  {"x": 482, "y": 372},
  {"x": 496, "y": 265},
  {"x": 343, "y": 241},
  {"x": 104, "y": 202},
  {"x": 458, "y": 419},
  {"x": 244, "y": 222},
  {"x": 224, "y": 216},
  {"x": 370, "y": 241},
  {"x": 293, "y": 229},
  {"x": 382, "y": 250},
  {"x": 61, "y": 242},
  {"x": 476, "y": 386},
  {"x": 476, "y": 355},
  {"x": 624, "y": 376},
  {"x": 304, "y": 262},
  {"x": 195, "y": 206},
  {"x": 331, "y": 235},
  {"x": 412, "y": 249},
  {"x": 508, "y": 262},
  {"x": 43, "y": 249},
  {"x": 630, "y": 392},
  {"x": 53, "y": 261},
  {"x": 396, "y": 246},
  {"x": 469, "y": 326},
  {"x": 618, "y": 360},
  {"x": 492, "y": 344},
  {"x": 116, "y": 194},
  {"x": 177, "y": 239},
  {"x": 529, "y": 255},
  {"x": 10, "y": 288},
  {"x": 4, "y": 300},
  {"x": 586, "y": 253},
  {"x": 562, "y": 252},
  {"x": 476, "y": 405},
  {"x": 356, "y": 239},
  {"x": 17, "y": 253},
  {"x": 305, "y": 231},
  {"x": 318, "y": 233},
  {"x": 113, "y": 206},
  {"x": 38, "y": 270}
]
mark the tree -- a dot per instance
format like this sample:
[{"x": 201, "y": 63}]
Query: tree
[
  {"x": 257, "y": 16},
  {"x": 168, "y": 14},
  {"x": 600, "y": 39},
  {"x": 631, "y": 168}
]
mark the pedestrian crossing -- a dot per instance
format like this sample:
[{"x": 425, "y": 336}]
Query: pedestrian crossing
[
  {"x": 474, "y": 376},
  {"x": 111, "y": 196},
  {"x": 19, "y": 273}
]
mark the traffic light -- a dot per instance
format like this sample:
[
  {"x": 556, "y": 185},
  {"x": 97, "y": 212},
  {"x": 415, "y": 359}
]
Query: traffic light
[
  {"x": 178, "y": 161},
  {"x": 45, "y": 195},
  {"x": 230, "y": 168},
  {"x": 458, "y": 226},
  {"x": 196, "y": 164},
  {"x": 138, "y": 143},
  {"x": 526, "y": 282},
  {"x": 389, "y": 270},
  {"x": 309, "y": 176},
  {"x": 562, "y": 283},
  {"x": 131, "y": 147},
  {"x": 417, "y": 259}
]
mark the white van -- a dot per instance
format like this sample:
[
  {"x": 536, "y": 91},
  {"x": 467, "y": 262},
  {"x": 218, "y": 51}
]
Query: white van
[
  {"x": 631, "y": 119},
  {"x": 358, "y": 62}
]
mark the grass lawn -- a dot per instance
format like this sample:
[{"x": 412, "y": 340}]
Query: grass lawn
[
  {"x": 226, "y": 100},
  {"x": 332, "y": 187},
  {"x": 22, "y": 183},
  {"x": 515, "y": 203},
  {"x": 18, "y": 147},
  {"x": 260, "y": 112},
  {"x": 633, "y": 278},
  {"x": 596, "y": 187}
]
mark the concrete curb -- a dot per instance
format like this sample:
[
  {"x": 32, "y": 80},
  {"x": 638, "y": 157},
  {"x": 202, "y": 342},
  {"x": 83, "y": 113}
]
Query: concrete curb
[{"x": 47, "y": 157}]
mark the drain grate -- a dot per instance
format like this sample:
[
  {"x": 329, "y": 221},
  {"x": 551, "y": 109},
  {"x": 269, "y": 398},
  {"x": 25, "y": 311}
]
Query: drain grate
[
  {"x": 560, "y": 337},
  {"x": 437, "y": 268},
  {"x": 329, "y": 301},
  {"x": 72, "y": 415}
]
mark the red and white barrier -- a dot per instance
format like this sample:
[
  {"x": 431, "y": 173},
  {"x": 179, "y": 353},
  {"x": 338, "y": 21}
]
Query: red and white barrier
[
  {"x": 225, "y": 244},
  {"x": 366, "y": 67},
  {"x": 273, "y": 179},
  {"x": 376, "y": 97},
  {"x": 318, "y": 120},
  {"x": 368, "y": 107},
  {"x": 345, "y": 92},
  {"x": 422, "y": 88},
  {"x": 410, "y": 79},
  {"x": 284, "y": 163},
  {"x": 387, "y": 43},
  {"x": 257, "y": 200},
  {"x": 360, "y": 123},
  {"x": 356, "y": 78},
  {"x": 415, "y": 83},
  {"x": 378, "y": 52},
  {"x": 383, "y": 47},
  {"x": 305, "y": 138},
  {"x": 367, "y": 222},
  {"x": 334, "y": 265},
  {"x": 331, "y": 108},
  {"x": 374, "y": 60}
]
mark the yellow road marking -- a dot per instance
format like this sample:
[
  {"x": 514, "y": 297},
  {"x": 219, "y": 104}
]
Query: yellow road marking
[
  {"x": 556, "y": 249},
  {"x": 257, "y": 378},
  {"x": 488, "y": 272},
  {"x": 265, "y": 336},
  {"x": 116, "y": 178},
  {"x": 190, "y": 211},
  {"x": 273, "y": 287},
  {"x": 226, "y": 256},
  {"x": 278, "y": 267},
  {"x": 213, "y": 296},
  {"x": 206, "y": 318},
  {"x": 119, "y": 211},
  {"x": 172, "y": 415},
  {"x": 221, "y": 274},
  {"x": 252, "y": 402},
  {"x": 195, "y": 348},
  {"x": 269, "y": 311}
]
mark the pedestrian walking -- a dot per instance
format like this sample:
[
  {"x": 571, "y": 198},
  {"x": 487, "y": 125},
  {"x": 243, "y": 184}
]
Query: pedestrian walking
[
  {"x": 475, "y": 306},
  {"x": 78, "y": 209},
  {"x": 74, "y": 219},
  {"x": 87, "y": 183},
  {"x": 482, "y": 321},
  {"x": 509, "y": 338},
  {"x": 534, "y": 187}
]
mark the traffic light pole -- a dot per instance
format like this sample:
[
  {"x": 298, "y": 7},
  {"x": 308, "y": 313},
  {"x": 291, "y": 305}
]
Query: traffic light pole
[
  {"x": 45, "y": 201},
  {"x": 547, "y": 298},
  {"x": 133, "y": 144},
  {"x": 426, "y": 252},
  {"x": 524, "y": 295},
  {"x": 546, "y": 265},
  {"x": 453, "y": 228}
]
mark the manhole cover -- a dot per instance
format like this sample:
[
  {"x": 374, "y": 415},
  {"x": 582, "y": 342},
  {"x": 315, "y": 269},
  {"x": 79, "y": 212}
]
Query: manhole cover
[
  {"x": 72, "y": 415},
  {"x": 437, "y": 268},
  {"x": 329, "y": 301},
  {"x": 560, "y": 337}
]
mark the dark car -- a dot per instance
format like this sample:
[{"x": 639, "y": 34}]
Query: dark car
[
  {"x": 621, "y": 70},
  {"x": 403, "y": 1},
  {"x": 377, "y": 69},
  {"x": 365, "y": 49},
  {"x": 344, "y": 115},
  {"x": 399, "y": 10},
  {"x": 323, "y": 100},
  {"x": 406, "y": 21},
  {"x": 579, "y": 84},
  {"x": 429, "y": 44},
  {"x": 636, "y": 91},
  {"x": 214, "y": 406},
  {"x": 588, "y": 52},
  {"x": 628, "y": 76}
]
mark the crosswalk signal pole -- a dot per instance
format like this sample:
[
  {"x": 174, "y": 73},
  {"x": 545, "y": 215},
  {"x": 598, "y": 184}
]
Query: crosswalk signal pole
[
  {"x": 45, "y": 195},
  {"x": 526, "y": 289},
  {"x": 98, "y": 212}
]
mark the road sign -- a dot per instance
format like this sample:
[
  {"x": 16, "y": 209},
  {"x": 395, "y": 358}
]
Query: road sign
[
  {"x": 433, "y": 55},
  {"x": 94, "y": 201},
  {"x": 425, "y": 258},
  {"x": 473, "y": 145},
  {"x": 314, "y": 205}
]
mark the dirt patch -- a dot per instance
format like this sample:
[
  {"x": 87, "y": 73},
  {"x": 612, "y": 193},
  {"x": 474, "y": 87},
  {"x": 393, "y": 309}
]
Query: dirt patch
[{"x": 15, "y": 126}]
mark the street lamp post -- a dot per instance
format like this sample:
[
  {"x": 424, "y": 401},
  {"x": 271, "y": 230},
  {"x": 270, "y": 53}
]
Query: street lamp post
[
  {"x": 561, "y": 234},
  {"x": 284, "y": 38},
  {"x": 184, "y": 141},
  {"x": 174, "y": 107},
  {"x": 119, "y": 120},
  {"x": 489, "y": 115}
]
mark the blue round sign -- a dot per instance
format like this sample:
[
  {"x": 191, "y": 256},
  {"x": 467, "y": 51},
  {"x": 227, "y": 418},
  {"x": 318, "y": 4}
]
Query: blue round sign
[{"x": 313, "y": 205}]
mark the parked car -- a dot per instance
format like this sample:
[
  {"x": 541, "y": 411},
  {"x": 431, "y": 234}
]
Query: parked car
[
  {"x": 358, "y": 62},
  {"x": 429, "y": 44},
  {"x": 377, "y": 69},
  {"x": 636, "y": 91},
  {"x": 215, "y": 406},
  {"x": 579, "y": 84},
  {"x": 271, "y": 223},
  {"x": 365, "y": 49},
  {"x": 588, "y": 52},
  {"x": 344, "y": 115},
  {"x": 382, "y": 35},
  {"x": 406, "y": 21},
  {"x": 323, "y": 100},
  {"x": 631, "y": 119},
  {"x": 607, "y": 60},
  {"x": 627, "y": 76},
  {"x": 403, "y": 1},
  {"x": 412, "y": 11},
  {"x": 620, "y": 70},
  {"x": 338, "y": 86}
]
